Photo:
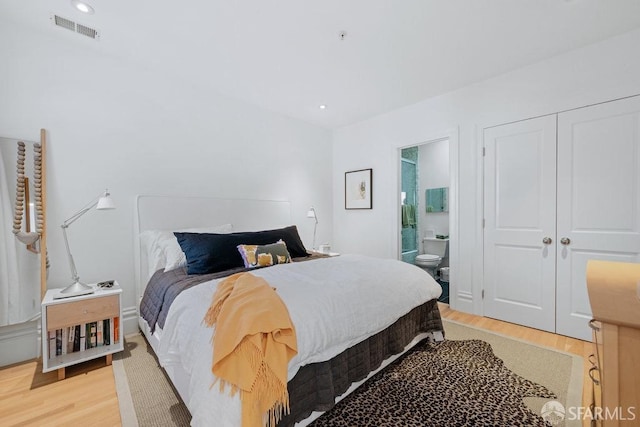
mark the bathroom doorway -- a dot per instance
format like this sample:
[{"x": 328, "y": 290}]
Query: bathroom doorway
[
  {"x": 409, "y": 201},
  {"x": 424, "y": 204}
]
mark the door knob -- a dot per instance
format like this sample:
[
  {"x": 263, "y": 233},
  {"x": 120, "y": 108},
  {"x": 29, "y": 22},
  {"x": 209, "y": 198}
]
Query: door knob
[
  {"x": 565, "y": 241},
  {"x": 547, "y": 240}
]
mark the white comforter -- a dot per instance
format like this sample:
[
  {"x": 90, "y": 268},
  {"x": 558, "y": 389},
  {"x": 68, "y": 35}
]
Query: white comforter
[{"x": 334, "y": 303}]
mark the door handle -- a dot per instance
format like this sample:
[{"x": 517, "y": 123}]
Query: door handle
[
  {"x": 565, "y": 241},
  {"x": 547, "y": 240}
]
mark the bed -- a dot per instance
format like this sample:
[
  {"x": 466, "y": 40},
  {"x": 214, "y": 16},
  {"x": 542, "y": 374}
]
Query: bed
[{"x": 353, "y": 314}]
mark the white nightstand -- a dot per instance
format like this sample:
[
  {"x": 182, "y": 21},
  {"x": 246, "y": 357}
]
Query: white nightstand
[{"x": 81, "y": 328}]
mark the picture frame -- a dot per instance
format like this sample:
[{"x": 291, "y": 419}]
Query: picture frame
[{"x": 358, "y": 189}]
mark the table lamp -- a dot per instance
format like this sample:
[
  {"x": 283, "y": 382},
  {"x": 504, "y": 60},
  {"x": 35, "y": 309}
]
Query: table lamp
[
  {"x": 312, "y": 214},
  {"x": 102, "y": 202}
]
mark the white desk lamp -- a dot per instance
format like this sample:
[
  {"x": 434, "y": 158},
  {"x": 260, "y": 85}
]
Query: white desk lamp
[
  {"x": 102, "y": 202},
  {"x": 311, "y": 213}
]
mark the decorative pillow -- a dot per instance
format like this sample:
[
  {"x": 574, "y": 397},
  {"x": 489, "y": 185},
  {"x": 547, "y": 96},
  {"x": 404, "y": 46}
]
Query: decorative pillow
[
  {"x": 210, "y": 253},
  {"x": 264, "y": 255},
  {"x": 163, "y": 250}
]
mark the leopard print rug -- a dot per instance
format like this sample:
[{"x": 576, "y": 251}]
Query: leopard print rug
[{"x": 451, "y": 383}]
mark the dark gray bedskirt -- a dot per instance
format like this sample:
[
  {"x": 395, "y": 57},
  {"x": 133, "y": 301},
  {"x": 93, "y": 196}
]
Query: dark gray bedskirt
[{"x": 315, "y": 386}]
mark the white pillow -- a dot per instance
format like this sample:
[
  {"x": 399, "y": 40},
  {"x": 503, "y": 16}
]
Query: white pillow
[{"x": 163, "y": 249}]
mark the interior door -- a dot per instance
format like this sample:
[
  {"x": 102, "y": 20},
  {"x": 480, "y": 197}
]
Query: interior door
[
  {"x": 520, "y": 222},
  {"x": 598, "y": 201}
]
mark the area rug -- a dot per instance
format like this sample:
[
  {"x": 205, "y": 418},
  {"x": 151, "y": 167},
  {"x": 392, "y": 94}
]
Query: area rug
[
  {"x": 559, "y": 371},
  {"x": 470, "y": 365},
  {"x": 449, "y": 383},
  {"x": 145, "y": 394}
]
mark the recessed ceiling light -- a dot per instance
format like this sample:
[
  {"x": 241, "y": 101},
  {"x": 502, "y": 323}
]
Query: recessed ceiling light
[
  {"x": 82, "y": 7},
  {"x": 322, "y": 107}
]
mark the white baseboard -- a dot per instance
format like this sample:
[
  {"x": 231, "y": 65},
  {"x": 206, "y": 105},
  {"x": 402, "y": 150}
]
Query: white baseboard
[
  {"x": 19, "y": 342},
  {"x": 130, "y": 319}
]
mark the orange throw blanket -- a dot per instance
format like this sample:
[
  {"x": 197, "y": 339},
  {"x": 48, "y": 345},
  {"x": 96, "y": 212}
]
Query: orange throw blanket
[{"x": 252, "y": 345}]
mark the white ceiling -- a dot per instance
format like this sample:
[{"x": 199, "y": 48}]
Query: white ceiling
[{"x": 287, "y": 56}]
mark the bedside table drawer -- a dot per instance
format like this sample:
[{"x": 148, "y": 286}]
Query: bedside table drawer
[{"x": 74, "y": 313}]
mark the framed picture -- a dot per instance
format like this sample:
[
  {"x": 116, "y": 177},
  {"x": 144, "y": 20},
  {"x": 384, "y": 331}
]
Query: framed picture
[{"x": 357, "y": 189}]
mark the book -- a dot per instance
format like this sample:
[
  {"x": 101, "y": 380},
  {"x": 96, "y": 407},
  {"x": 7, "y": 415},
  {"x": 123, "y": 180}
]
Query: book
[
  {"x": 58, "y": 342},
  {"x": 76, "y": 338},
  {"x": 52, "y": 344},
  {"x": 63, "y": 342},
  {"x": 111, "y": 340},
  {"x": 88, "y": 335},
  {"x": 106, "y": 332},
  {"x": 83, "y": 337},
  {"x": 99, "y": 333},
  {"x": 116, "y": 329},
  {"x": 93, "y": 335},
  {"x": 70, "y": 332}
]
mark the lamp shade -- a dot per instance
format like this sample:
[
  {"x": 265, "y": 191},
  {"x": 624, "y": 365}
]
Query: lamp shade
[
  {"x": 311, "y": 213},
  {"x": 105, "y": 202}
]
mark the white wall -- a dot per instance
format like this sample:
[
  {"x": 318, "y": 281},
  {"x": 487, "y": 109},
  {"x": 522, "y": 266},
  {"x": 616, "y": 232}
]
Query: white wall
[
  {"x": 136, "y": 131},
  {"x": 433, "y": 172},
  {"x": 593, "y": 74}
]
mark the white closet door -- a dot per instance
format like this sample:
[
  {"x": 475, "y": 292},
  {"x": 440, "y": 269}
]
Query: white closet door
[
  {"x": 520, "y": 222},
  {"x": 598, "y": 201}
]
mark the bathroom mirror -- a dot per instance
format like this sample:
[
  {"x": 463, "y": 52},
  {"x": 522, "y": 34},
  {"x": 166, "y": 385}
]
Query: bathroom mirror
[
  {"x": 437, "y": 200},
  {"x": 22, "y": 233}
]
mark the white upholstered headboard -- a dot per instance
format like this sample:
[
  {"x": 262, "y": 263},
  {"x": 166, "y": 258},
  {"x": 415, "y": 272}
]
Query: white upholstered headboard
[{"x": 179, "y": 212}]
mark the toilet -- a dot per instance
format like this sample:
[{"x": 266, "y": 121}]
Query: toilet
[{"x": 434, "y": 250}]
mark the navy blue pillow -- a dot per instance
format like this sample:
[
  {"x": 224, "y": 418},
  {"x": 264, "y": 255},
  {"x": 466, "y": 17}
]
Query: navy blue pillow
[{"x": 211, "y": 253}]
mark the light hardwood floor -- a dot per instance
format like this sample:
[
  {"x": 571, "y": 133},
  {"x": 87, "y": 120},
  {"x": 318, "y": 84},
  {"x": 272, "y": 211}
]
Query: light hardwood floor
[{"x": 88, "y": 396}]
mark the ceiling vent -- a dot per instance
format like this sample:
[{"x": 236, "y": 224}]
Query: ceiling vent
[{"x": 61, "y": 22}]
